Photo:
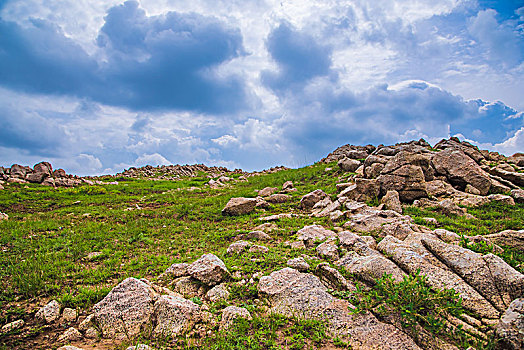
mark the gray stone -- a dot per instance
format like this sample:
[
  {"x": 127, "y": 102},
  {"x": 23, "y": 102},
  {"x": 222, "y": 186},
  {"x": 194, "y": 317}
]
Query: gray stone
[
  {"x": 218, "y": 293},
  {"x": 314, "y": 233},
  {"x": 268, "y": 191},
  {"x": 71, "y": 334},
  {"x": 511, "y": 325},
  {"x": 278, "y": 198},
  {"x": 49, "y": 313},
  {"x": 310, "y": 199},
  {"x": 392, "y": 201},
  {"x": 348, "y": 165},
  {"x": 230, "y": 314},
  {"x": 125, "y": 310},
  {"x": 299, "y": 264},
  {"x": 174, "y": 315},
  {"x": 209, "y": 269},
  {"x": 69, "y": 315},
  {"x": 239, "y": 206},
  {"x": 328, "y": 250}
]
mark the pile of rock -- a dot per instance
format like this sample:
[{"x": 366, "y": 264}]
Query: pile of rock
[
  {"x": 451, "y": 170},
  {"x": 173, "y": 172},
  {"x": 41, "y": 173}
]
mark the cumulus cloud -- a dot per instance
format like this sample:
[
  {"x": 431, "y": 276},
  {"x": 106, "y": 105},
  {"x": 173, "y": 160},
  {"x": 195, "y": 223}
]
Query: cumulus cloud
[{"x": 149, "y": 62}]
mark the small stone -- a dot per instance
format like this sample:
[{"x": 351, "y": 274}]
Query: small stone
[
  {"x": 209, "y": 269},
  {"x": 49, "y": 313},
  {"x": 278, "y": 198},
  {"x": 430, "y": 221},
  {"x": 299, "y": 264},
  {"x": 518, "y": 195},
  {"x": 93, "y": 255},
  {"x": 328, "y": 250},
  {"x": 231, "y": 313},
  {"x": 287, "y": 185},
  {"x": 91, "y": 333},
  {"x": 511, "y": 325},
  {"x": 69, "y": 315},
  {"x": 258, "y": 249},
  {"x": 12, "y": 326},
  {"x": 239, "y": 206},
  {"x": 140, "y": 347},
  {"x": 86, "y": 323},
  {"x": 3, "y": 216},
  {"x": 238, "y": 247},
  {"x": 268, "y": 191},
  {"x": 218, "y": 293},
  {"x": 259, "y": 235},
  {"x": 71, "y": 334}
]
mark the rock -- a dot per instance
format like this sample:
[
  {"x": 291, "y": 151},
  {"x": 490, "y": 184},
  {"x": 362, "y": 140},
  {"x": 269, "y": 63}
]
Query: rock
[
  {"x": 500, "y": 198},
  {"x": 3, "y": 216},
  {"x": 173, "y": 272},
  {"x": 230, "y": 314},
  {"x": 238, "y": 247},
  {"x": 209, "y": 269},
  {"x": 370, "y": 267},
  {"x": 381, "y": 222},
  {"x": 174, "y": 315},
  {"x": 363, "y": 190},
  {"x": 439, "y": 188},
  {"x": 448, "y": 208},
  {"x": 71, "y": 334},
  {"x": 288, "y": 185},
  {"x": 508, "y": 238},
  {"x": 15, "y": 180},
  {"x": 392, "y": 201},
  {"x": 406, "y": 256},
  {"x": 431, "y": 221},
  {"x": 511, "y": 176},
  {"x": 518, "y": 195},
  {"x": 511, "y": 325},
  {"x": 488, "y": 274},
  {"x": 258, "y": 235},
  {"x": 43, "y": 168},
  {"x": 461, "y": 170},
  {"x": 277, "y": 217},
  {"x": 69, "y": 315},
  {"x": 12, "y": 326},
  {"x": 140, "y": 347},
  {"x": 447, "y": 236},
  {"x": 18, "y": 171},
  {"x": 258, "y": 249},
  {"x": 314, "y": 233},
  {"x": 342, "y": 186},
  {"x": 36, "y": 177},
  {"x": 278, "y": 198},
  {"x": 49, "y": 313},
  {"x": 93, "y": 255},
  {"x": 348, "y": 165},
  {"x": 188, "y": 286},
  {"x": 49, "y": 182},
  {"x": 302, "y": 295},
  {"x": 372, "y": 171},
  {"x": 267, "y": 227},
  {"x": 86, "y": 323},
  {"x": 261, "y": 203},
  {"x": 265, "y": 192},
  {"x": 299, "y": 264},
  {"x": 332, "y": 278},
  {"x": 1, "y": 187},
  {"x": 218, "y": 293},
  {"x": 239, "y": 206},
  {"x": 125, "y": 310},
  {"x": 310, "y": 199},
  {"x": 69, "y": 347},
  {"x": 328, "y": 250}
]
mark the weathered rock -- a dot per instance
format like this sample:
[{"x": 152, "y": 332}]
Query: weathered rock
[
  {"x": 230, "y": 314},
  {"x": 518, "y": 195},
  {"x": 125, "y": 310},
  {"x": 209, "y": 269},
  {"x": 392, "y": 201},
  {"x": 12, "y": 326},
  {"x": 299, "y": 264},
  {"x": 448, "y": 208},
  {"x": 238, "y": 247},
  {"x": 288, "y": 185},
  {"x": 278, "y": 198},
  {"x": 174, "y": 271},
  {"x": 69, "y": 347},
  {"x": 49, "y": 313},
  {"x": 372, "y": 171},
  {"x": 453, "y": 143},
  {"x": 406, "y": 257},
  {"x": 461, "y": 170},
  {"x": 327, "y": 210},
  {"x": 511, "y": 325},
  {"x": 314, "y": 233},
  {"x": 348, "y": 165},
  {"x": 71, "y": 334},
  {"x": 86, "y": 323},
  {"x": 3, "y": 216},
  {"x": 310, "y": 199},
  {"x": 140, "y": 347},
  {"x": 69, "y": 315},
  {"x": 363, "y": 190},
  {"x": 218, "y": 293},
  {"x": 500, "y": 198},
  {"x": 188, "y": 287},
  {"x": 36, "y": 177},
  {"x": 381, "y": 222},
  {"x": 342, "y": 186},
  {"x": 370, "y": 267},
  {"x": 267, "y": 191},
  {"x": 447, "y": 236},
  {"x": 258, "y": 235},
  {"x": 512, "y": 176},
  {"x": 488, "y": 274},
  {"x": 239, "y": 206},
  {"x": 44, "y": 168},
  {"x": 328, "y": 250},
  {"x": 49, "y": 182},
  {"x": 301, "y": 295},
  {"x": 332, "y": 278},
  {"x": 174, "y": 315},
  {"x": 18, "y": 171},
  {"x": 508, "y": 238}
]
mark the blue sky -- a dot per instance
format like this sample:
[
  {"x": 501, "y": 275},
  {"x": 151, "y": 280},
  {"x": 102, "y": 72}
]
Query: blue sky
[{"x": 99, "y": 86}]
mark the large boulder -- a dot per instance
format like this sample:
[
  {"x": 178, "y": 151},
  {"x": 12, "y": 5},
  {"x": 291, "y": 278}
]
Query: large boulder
[
  {"x": 461, "y": 170},
  {"x": 239, "y": 206},
  {"x": 309, "y": 200},
  {"x": 303, "y": 295},
  {"x": 174, "y": 315},
  {"x": 209, "y": 269},
  {"x": 125, "y": 310}
]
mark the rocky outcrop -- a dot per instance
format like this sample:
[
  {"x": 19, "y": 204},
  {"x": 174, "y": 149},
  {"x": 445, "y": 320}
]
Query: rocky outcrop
[{"x": 302, "y": 295}]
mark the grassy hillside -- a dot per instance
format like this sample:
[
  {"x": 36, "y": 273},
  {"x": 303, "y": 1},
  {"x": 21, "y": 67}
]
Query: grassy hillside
[{"x": 141, "y": 227}]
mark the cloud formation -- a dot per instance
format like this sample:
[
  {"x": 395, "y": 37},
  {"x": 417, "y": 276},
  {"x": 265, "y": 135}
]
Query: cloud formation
[{"x": 253, "y": 84}]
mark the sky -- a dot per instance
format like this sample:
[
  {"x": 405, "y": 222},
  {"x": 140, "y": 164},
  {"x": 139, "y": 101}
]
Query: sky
[{"x": 97, "y": 86}]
